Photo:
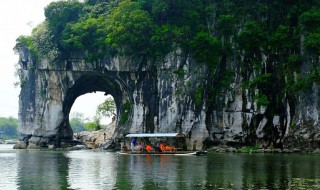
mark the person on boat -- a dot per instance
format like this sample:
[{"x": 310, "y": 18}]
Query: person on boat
[
  {"x": 148, "y": 148},
  {"x": 169, "y": 148},
  {"x": 157, "y": 147},
  {"x": 133, "y": 144},
  {"x": 162, "y": 147},
  {"x": 139, "y": 147},
  {"x": 125, "y": 148}
]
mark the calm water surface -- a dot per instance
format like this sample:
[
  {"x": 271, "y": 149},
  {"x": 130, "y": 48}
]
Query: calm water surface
[{"x": 88, "y": 169}]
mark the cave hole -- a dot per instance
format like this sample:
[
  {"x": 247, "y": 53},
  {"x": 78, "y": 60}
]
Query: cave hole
[
  {"x": 88, "y": 92},
  {"x": 84, "y": 111}
]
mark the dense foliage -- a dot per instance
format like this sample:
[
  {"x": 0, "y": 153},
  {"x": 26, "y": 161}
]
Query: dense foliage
[
  {"x": 107, "y": 108},
  {"x": 77, "y": 122},
  {"x": 209, "y": 30}
]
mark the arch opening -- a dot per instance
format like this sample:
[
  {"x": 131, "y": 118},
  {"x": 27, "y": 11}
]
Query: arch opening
[
  {"x": 92, "y": 107},
  {"x": 87, "y": 84}
]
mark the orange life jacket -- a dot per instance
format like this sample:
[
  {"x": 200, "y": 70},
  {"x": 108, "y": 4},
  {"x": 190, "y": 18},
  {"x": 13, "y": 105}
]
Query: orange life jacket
[
  {"x": 169, "y": 148},
  {"x": 162, "y": 148},
  {"x": 148, "y": 148}
]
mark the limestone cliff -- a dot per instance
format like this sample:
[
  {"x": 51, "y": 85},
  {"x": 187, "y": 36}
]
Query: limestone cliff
[{"x": 158, "y": 99}]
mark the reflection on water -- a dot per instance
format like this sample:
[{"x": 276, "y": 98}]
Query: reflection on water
[
  {"x": 164, "y": 172},
  {"x": 41, "y": 170},
  {"x": 8, "y": 167},
  {"x": 91, "y": 170},
  {"x": 87, "y": 169}
]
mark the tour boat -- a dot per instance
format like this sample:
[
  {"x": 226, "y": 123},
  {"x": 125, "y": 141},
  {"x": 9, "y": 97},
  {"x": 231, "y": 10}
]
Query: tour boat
[{"x": 148, "y": 149}]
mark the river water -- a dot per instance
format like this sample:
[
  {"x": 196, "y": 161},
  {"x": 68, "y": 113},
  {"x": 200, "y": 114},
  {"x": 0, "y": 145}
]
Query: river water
[{"x": 90, "y": 169}]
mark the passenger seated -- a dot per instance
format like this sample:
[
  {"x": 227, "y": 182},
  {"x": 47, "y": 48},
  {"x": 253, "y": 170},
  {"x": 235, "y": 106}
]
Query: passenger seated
[
  {"x": 138, "y": 147},
  {"x": 162, "y": 147},
  {"x": 166, "y": 148},
  {"x": 149, "y": 148},
  {"x": 125, "y": 148}
]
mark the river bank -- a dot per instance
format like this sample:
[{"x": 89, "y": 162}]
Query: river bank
[
  {"x": 81, "y": 140},
  {"x": 250, "y": 149}
]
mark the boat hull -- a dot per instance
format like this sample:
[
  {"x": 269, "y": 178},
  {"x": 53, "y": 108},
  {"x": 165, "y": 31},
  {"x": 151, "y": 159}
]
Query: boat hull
[{"x": 180, "y": 153}]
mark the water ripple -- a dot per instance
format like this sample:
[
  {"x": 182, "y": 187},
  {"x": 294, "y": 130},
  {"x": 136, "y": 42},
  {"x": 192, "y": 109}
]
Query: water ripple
[{"x": 87, "y": 169}]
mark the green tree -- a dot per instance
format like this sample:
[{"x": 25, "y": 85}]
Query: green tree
[
  {"x": 88, "y": 34},
  {"x": 129, "y": 27},
  {"x": 77, "y": 122},
  {"x": 310, "y": 22},
  {"x": 252, "y": 38},
  {"x": 107, "y": 109},
  {"x": 206, "y": 49},
  {"x": 58, "y": 15},
  {"x": 95, "y": 124},
  {"x": 163, "y": 39}
]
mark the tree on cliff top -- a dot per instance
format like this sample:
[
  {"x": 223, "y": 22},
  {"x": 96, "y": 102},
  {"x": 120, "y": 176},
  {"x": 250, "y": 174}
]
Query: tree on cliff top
[
  {"x": 129, "y": 27},
  {"x": 247, "y": 32}
]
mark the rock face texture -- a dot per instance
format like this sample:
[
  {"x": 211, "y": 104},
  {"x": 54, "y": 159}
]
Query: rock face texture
[{"x": 168, "y": 95}]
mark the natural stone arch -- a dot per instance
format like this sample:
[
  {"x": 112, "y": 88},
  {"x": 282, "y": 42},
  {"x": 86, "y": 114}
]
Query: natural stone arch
[
  {"x": 153, "y": 99},
  {"x": 88, "y": 83}
]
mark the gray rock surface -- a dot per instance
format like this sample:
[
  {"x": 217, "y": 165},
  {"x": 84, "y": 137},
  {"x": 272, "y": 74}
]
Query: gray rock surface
[{"x": 160, "y": 100}]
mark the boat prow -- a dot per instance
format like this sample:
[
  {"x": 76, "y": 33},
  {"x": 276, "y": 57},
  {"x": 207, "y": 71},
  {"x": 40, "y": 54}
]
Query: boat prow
[{"x": 201, "y": 153}]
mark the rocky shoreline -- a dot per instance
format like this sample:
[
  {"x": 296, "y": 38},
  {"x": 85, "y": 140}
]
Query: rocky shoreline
[
  {"x": 102, "y": 139},
  {"x": 81, "y": 140},
  {"x": 92, "y": 140},
  {"x": 247, "y": 149}
]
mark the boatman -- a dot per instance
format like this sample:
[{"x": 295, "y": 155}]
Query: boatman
[{"x": 133, "y": 144}]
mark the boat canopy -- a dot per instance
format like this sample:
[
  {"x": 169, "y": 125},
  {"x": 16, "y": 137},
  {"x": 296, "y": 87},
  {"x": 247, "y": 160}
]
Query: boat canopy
[{"x": 155, "y": 135}]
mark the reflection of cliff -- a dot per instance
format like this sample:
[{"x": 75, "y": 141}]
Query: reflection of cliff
[
  {"x": 164, "y": 172},
  {"x": 224, "y": 170},
  {"x": 88, "y": 170},
  {"x": 101, "y": 170},
  {"x": 40, "y": 170},
  {"x": 8, "y": 170}
]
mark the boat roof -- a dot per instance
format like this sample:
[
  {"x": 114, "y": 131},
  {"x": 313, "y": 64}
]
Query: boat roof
[{"x": 155, "y": 135}]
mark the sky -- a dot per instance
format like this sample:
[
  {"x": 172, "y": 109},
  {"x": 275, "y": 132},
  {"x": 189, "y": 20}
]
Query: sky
[{"x": 18, "y": 17}]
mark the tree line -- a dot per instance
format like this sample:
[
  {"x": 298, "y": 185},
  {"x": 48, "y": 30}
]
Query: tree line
[
  {"x": 263, "y": 37},
  {"x": 9, "y": 126}
]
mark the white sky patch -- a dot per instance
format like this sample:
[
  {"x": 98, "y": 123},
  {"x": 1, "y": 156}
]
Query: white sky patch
[
  {"x": 88, "y": 103},
  {"x": 16, "y": 18},
  {"x": 19, "y": 17}
]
